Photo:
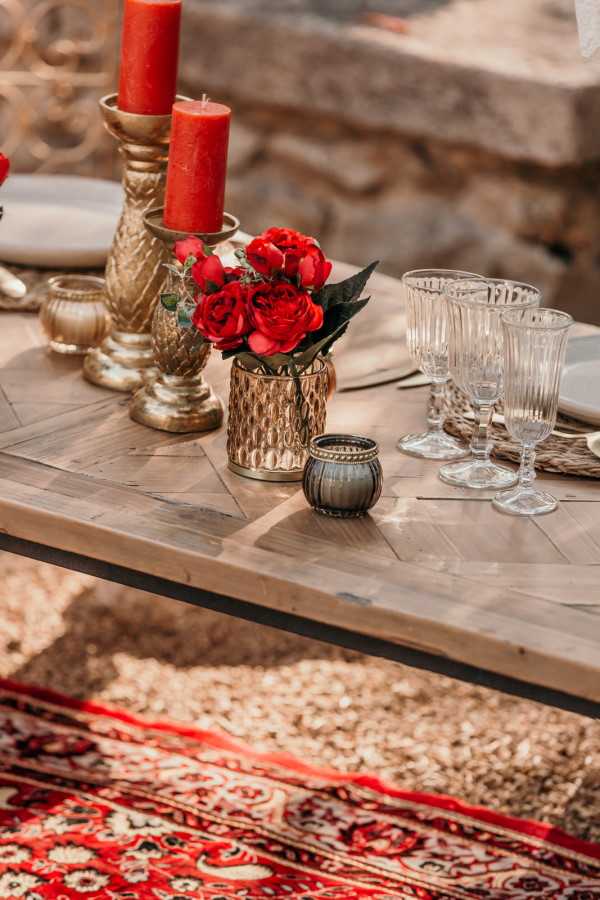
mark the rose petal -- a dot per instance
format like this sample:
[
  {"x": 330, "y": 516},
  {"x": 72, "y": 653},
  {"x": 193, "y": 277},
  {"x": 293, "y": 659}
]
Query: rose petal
[
  {"x": 262, "y": 345},
  {"x": 189, "y": 246}
]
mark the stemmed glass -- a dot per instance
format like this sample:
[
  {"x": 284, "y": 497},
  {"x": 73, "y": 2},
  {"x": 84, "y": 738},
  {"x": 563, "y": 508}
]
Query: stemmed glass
[
  {"x": 535, "y": 341},
  {"x": 427, "y": 338},
  {"x": 477, "y": 366}
]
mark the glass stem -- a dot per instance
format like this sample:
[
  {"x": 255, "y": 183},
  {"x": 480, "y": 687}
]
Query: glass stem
[
  {"x": 527, "y": 471},
  {"x": 481, "y": 445},
  {"x": 436, "y": 408}
]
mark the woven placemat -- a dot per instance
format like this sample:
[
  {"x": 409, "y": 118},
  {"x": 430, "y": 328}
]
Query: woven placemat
[{"x": 556, "y": 454}]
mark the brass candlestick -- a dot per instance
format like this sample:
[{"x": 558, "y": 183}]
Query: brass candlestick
[
  {"x": 179, "y": 400},
  {"x": 134, "y": 271}
]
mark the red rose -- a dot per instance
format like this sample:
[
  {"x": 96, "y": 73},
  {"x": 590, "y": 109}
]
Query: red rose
[
  {"x": 4, "y": 168},
  {"x": 234, "y": 273},
  {"x": 314, "y": 269},
  {"x": 292, "y": 244},
  {"x": 303, "y": 259},
  {"x": 281, "y": 316},
  {"x": 189, "y": 246},
  {"x": 264, "y": 257},
  {"x": 222, "y": 317},
  {"x": 209, "y": 274}
]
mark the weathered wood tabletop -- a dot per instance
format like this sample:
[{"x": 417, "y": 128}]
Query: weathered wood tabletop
[{"x": 435, "y": 578}]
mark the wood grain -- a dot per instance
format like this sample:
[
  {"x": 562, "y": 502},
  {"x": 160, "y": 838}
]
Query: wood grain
[{"x": 434, "y": 568}]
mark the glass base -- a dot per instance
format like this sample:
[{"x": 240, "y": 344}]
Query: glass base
[
  {"x": 479, "y": 474},
  {"x": 525, "y": 502},
  {"x": 433, "y": 445}
]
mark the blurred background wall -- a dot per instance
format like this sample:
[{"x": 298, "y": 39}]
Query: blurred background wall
[
  {"x": 56, "y": 58},
  {"x": 460, "y": 133}
]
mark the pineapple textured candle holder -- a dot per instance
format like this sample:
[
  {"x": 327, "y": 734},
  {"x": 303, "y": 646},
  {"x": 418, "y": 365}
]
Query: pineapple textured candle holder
[
  {"x": 134, "y": 271},
  {"x": 179, "y": 400}
]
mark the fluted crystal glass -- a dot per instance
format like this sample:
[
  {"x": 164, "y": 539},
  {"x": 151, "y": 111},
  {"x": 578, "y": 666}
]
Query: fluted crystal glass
[
  {"x": 535, "y": 341},
  {"x": 427, "y": 338},
  {"x": 475, "y": 309}
]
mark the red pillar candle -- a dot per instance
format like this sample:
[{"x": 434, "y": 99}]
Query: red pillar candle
[
  {"x": 195, "y": 197},
  {"x": 149, "y": 56}
]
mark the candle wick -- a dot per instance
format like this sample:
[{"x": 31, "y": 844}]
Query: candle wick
[{"x": 204, "y": 100}]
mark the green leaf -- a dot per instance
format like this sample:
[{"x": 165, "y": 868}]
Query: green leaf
[
  {"x": 253, "y": 361},
  {"x": 184, "y": 319},
  {"x": 169, "y": 301},
  {"x": 336, "y": 324},
  {"x": 249, "y": 360},
  {"x": 277, "y": 361},
  {"x": 342, "y": 313},
  {"x": 321, "y": 346},
  {"x": 347, "y": 291}
]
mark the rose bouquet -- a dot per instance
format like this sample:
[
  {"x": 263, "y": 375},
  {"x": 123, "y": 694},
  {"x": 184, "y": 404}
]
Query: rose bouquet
[
  {"x": 274, "y": 311},
  {"x": 275, "y": 314}
]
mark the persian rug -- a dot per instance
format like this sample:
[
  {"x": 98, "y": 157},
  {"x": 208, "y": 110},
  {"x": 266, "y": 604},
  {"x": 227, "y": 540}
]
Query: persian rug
[{"x": 96, "y": 803}]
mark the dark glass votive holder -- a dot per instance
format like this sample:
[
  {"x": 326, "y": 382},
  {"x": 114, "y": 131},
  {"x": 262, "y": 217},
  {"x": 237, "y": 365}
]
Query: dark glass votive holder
[{"x": 343, "y": 477}]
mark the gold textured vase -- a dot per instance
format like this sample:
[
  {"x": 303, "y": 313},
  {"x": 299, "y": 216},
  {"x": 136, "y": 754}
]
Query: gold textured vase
[
  {"x": 272, "y": 420},
  {"x": 178, "y": 400},
  {"x": 134, "y": 271}
]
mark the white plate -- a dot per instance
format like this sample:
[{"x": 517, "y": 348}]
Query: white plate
[
  {"x": 58, "y": 221},
  {"x": 580, "y": 384}
]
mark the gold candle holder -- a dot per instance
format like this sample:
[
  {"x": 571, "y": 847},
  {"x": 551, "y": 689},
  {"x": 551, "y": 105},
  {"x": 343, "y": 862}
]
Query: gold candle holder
[
  {"x": 179, "y": 400},
  {"x": 134, "y": 270}
]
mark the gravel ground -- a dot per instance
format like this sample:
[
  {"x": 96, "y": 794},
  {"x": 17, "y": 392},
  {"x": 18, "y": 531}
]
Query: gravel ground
[{"x": 154, "y": 656}]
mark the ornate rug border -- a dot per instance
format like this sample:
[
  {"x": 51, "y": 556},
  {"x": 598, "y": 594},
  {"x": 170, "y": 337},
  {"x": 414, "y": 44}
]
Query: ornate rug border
[{"x": 547, "y": 833}]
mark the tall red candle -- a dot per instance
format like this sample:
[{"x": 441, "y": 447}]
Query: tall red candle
[
  {"x": 149, "y": 56},
  {"x": 197, "y": 170}
]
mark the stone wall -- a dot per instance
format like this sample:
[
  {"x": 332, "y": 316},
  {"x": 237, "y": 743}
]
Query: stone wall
[
  {"x": 469, "y": 141},
  {"x": 414, "y": 203},
  {"x": 466, "y": 135}
]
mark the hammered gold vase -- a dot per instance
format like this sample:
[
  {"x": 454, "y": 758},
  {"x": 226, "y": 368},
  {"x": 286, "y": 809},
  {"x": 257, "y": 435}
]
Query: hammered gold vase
[
  {"x": 135, "y": 273},
  {"x": 178, "y": 400},
  {"x": 272, "y": 420}
]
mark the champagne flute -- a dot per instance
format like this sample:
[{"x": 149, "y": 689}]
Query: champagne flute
[
  {"x": 477, "y": 366},
  {"x": 427, "y": 338},
  {"x": 535, "y": 341}
]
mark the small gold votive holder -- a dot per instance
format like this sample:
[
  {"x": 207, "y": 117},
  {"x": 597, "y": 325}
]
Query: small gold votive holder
[
  {"x": 74, "y": 314},
  {"x": 343, "y": 477}
]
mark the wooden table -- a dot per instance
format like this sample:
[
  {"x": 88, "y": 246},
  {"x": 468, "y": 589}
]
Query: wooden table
[{"x": 435, "y": 578}]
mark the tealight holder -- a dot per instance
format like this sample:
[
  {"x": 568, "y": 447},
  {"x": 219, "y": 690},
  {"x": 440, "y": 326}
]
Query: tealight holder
[
  {"x": 179, "y": 399},
  {"x": 73, "y": 314},
  {"x": 343, "y": 477},
  {"x": 134, "y": 270}
]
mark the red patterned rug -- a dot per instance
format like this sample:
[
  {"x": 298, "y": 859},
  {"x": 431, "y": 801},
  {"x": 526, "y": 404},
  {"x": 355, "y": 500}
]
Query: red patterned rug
[{"x": 95, "y": 804}]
